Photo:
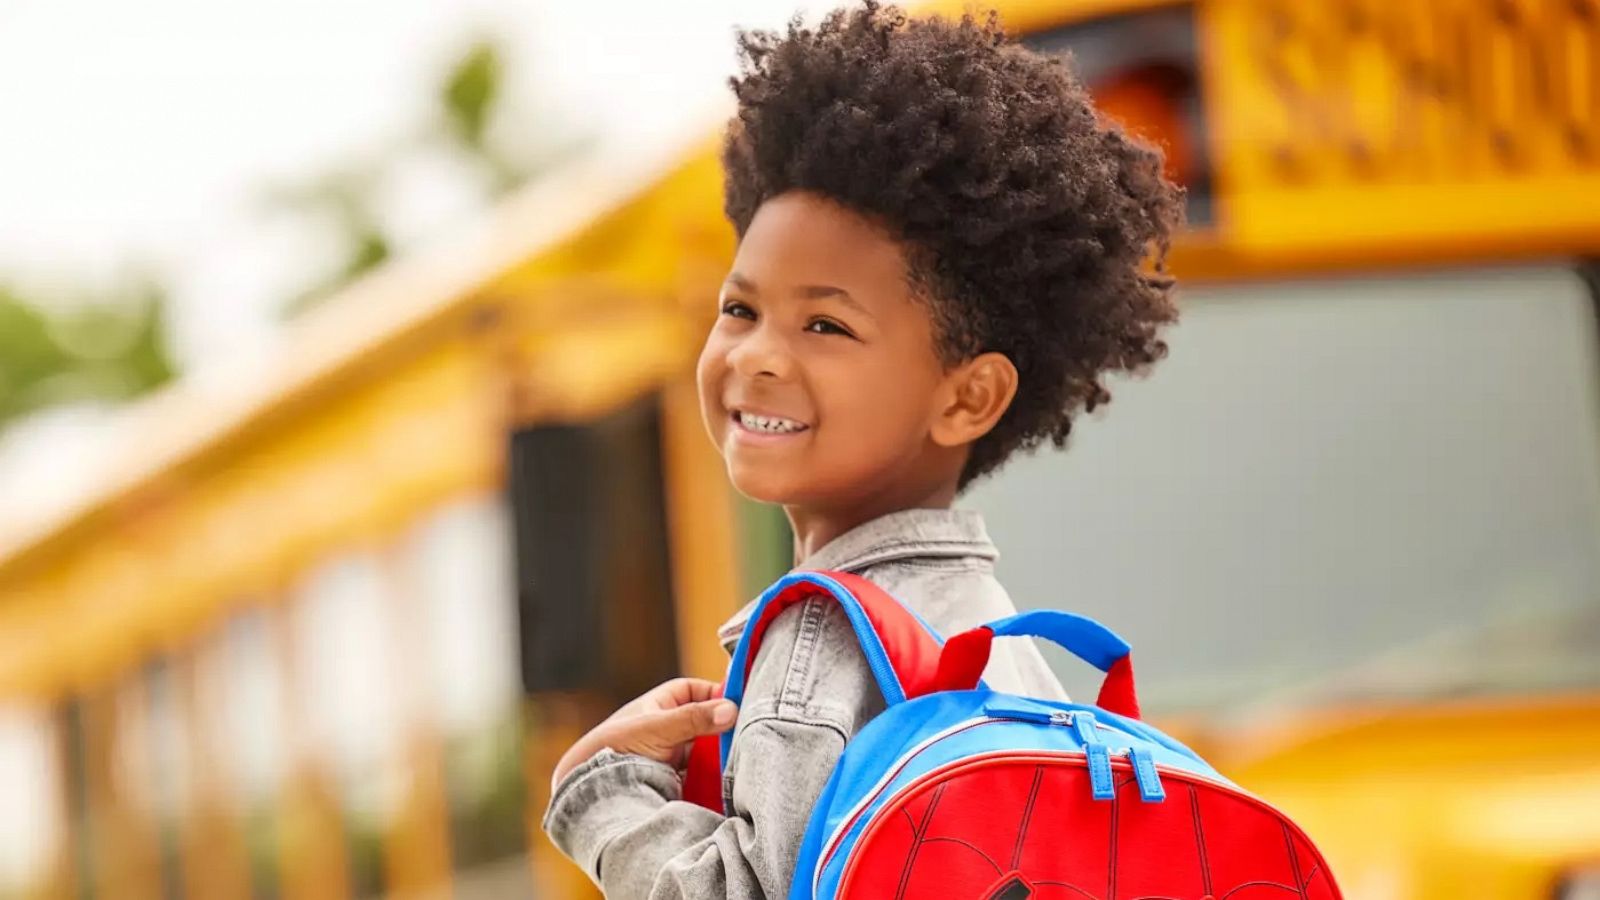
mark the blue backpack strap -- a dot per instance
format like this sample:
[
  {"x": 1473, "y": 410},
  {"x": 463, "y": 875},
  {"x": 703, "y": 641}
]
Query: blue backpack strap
[
  {"x": 1081, "y": 636},
  {"x": 967, "y": 653},
  {"x": 902, "y": 651}
]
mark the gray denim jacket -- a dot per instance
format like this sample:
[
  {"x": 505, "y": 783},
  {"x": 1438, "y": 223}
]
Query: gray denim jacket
[{"x": 621, "y": 818}]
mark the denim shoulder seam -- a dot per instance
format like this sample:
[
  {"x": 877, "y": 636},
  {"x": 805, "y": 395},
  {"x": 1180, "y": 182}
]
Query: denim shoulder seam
[
  {"x": 910, "y": 548},
  {"x": 944, "y": 564},
  {"x": 803, "y": 656}
]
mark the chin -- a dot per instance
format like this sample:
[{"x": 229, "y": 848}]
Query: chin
[
  {"x": 762, "y": 486},
  {"x": 777, "y": 483}
]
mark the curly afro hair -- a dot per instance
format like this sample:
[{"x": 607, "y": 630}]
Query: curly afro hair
[{"x": 1032, "y": 226}]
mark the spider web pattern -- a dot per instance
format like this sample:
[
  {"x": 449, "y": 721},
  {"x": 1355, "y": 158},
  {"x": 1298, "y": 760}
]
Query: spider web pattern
[{"x": 1028, "y": 829}]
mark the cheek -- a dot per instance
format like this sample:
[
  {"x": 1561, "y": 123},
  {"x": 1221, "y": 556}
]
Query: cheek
[
  {"x": 709, "y": 370},
  {"x": 883, "y": 405}
]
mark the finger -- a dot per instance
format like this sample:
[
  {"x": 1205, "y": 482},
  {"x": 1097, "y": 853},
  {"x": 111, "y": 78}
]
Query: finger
[
  {"x": 689, "y": 721},
  {"x": 694, "y": 690},
  {"x": 681, "y": 691}
]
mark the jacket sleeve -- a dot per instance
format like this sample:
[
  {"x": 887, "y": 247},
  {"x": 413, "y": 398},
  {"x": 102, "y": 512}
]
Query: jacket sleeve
[{"x": 622, "y": 819}]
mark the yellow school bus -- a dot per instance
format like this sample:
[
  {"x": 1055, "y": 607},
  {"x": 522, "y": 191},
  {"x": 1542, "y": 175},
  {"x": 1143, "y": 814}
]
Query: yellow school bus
[{"x": 325, "y": 626}]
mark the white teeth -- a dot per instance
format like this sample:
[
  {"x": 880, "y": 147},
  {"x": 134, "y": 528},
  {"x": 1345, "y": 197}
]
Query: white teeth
[{"x": 769, "y": 424}]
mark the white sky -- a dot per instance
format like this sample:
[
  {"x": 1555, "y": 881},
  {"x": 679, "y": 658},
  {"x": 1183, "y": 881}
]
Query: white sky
[
  {"x": 145, "y": 133},
  {"x": 28, "y": 820}
]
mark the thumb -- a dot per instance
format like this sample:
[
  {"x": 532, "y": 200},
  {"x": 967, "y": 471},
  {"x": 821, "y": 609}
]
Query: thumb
[{"x": 687, "y": 722}]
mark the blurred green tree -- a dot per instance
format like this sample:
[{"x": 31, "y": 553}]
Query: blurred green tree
[
  {"x": 466, "y": 105},
  {"x": 347, "y": 197},
  {"x": 107, "y": 349},
  {"x": 111, "y": 347}
]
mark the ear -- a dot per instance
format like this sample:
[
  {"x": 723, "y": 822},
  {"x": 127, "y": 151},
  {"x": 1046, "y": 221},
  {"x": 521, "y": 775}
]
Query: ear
[{"x": 972, "y": 399}]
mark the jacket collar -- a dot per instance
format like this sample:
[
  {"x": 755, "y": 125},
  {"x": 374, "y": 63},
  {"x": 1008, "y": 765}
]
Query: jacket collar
[{"x": 904, "y": 535}]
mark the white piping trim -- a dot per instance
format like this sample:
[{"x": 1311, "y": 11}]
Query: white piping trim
[{"x": 888, "y": 776}]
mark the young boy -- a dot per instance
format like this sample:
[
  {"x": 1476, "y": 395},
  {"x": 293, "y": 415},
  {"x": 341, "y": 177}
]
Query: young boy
[{"x": 942, "y": 252}]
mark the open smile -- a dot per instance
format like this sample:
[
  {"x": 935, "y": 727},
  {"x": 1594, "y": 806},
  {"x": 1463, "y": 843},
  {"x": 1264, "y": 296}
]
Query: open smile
[{"x": 766, "y": 426}]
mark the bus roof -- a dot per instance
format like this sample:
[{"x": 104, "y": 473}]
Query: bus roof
[{"x": 401, "y": 300}]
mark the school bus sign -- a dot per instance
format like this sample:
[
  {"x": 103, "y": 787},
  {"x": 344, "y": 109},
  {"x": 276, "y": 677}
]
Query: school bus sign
[{"x": 1382, "y": 129}]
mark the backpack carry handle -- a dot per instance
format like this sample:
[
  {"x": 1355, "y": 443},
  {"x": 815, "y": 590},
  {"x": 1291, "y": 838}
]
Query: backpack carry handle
[
  {"x": 902, "y": 652},
  {"x": 966, "y": 654}
]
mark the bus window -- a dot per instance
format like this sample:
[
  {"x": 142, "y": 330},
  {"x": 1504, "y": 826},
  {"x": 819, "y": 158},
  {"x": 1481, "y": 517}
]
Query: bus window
[
  {"x": 30, "y": 817},
  {"x": 1335, "y": 486},
  {"x": 342, "y": 639},
  {"x": 459, "y": 570},
  {"x": 241, "y": 698},
  {"x": 593, "y": 568}
]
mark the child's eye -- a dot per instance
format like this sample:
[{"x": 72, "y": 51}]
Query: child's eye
[
  {"x": 737, "y": 310},
  {"x": 827, "y": 326}
]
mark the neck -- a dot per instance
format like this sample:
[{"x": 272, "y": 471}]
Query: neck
[{"x": 814, "y": 528}]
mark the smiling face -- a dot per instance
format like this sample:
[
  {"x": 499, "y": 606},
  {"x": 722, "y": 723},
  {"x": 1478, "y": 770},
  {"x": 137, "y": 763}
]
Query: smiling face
[{"x": 820, "y": 382}]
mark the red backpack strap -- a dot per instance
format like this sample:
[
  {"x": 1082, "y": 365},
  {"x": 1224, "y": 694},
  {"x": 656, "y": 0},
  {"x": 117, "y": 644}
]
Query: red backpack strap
[
  {"x": 902, "y": 652},
  {"x": 702, "y": 776}
]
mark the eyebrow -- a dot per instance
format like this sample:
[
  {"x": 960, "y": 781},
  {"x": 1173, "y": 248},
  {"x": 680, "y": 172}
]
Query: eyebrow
[{"x": 806, "y": 291}]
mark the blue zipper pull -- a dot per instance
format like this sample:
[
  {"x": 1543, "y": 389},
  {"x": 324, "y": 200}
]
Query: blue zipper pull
[
  {"x": 1144, "y": 771},
  {"x": 1083, "y": 724},
  {"x": 1099, "y": 756},
  {"x": 1100, "y": 782}
]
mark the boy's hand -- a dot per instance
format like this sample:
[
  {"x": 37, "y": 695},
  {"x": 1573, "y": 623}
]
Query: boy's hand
[{"x": 660, "y": 725}]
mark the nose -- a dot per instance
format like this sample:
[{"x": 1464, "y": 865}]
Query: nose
[{"x": 762, "y": 352}]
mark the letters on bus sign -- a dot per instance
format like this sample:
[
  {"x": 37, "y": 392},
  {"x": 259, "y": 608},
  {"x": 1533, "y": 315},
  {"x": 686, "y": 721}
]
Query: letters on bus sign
[
  {"x": 1404, "y": 90},
  {"x": 1456, "y": 124}
]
